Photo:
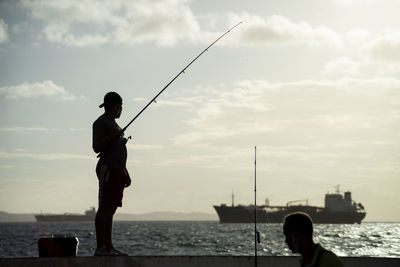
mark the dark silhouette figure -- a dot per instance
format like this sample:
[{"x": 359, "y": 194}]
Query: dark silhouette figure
[
  {"x": 298, "y": 231},
  {"x": 111, "y": 171}
]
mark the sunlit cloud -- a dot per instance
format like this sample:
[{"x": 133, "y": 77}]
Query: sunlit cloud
[
  {"x": 384, "y": 49},
  {"x": 312, "y": 109},
  {"x": 162, "y": 103},
  {"x": 17, "y": 28},
  {"x": 43, "y": 156},
  {"x": 94, "y": 23},
  {"x": 377, "y": 55},
  {"x": 278, "y": 30},
  {"x": 6, "y": 166},
  {"x": 144, "y": 147},
  {"x": 342, "y": 66},
  {"x": 3, "y": 31},
  {"x": 46, "y": 89},
  {"x": 60, "y": 34},
  {"x": 125, "y": 22},
  {"x": 358, "y": 36},
  {"x": 217, "y": 160},
  {"x": 353, "y": 3},
  {"x": 19, "y": 129},
  {"x": 345, "y": 122}
]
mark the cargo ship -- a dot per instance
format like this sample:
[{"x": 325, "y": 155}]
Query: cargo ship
[
  {"x": 339, "y": 208},
  {"x": 67, "y": 217}
]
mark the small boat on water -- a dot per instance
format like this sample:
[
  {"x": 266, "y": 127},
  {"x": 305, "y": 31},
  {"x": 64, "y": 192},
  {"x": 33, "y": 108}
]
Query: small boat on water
[
  {"x": 67, "y": 217},
  {"x": 339, "y": 208}
]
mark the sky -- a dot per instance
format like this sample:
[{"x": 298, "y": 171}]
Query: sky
[{"x": 313, "y": 84}]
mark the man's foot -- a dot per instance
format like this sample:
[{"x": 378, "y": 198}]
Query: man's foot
[
  {"x": 105, "y": 252},
  {"x": 119, "y": 253}
]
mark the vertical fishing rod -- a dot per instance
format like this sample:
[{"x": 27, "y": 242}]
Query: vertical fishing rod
[
  {"x": 182, "y": 71},
  {"x": 256, "y": 233}
]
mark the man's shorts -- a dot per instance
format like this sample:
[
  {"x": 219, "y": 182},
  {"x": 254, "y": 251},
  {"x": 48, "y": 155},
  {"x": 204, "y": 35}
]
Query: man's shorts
[{"x": 111, "y": 185}]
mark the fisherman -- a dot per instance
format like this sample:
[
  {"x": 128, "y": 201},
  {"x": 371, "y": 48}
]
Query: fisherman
[
  {"x": 111, "y": 171},
  {"x": 298, "y": 231}
]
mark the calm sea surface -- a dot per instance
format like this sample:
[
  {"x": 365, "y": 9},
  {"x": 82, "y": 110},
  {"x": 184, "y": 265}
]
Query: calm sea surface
[{"x": 202, "y": 238}]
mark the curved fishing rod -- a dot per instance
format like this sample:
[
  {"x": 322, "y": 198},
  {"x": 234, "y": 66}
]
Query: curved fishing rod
[{"x": 182, "y": 71}]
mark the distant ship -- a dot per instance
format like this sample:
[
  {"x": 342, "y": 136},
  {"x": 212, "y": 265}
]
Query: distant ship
[
  {"x": 67, "y": 217},
  {"x": 338, "y": 209}
]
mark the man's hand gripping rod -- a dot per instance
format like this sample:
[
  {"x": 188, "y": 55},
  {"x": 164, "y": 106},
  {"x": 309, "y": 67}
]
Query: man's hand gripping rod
[{"x": 182, "y": 71}]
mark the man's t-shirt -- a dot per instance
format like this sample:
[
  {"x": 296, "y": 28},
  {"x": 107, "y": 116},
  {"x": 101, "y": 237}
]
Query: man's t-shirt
[{"x": 115, "y": 154}]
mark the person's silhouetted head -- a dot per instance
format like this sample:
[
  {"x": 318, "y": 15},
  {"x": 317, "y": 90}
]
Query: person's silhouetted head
[
  {"x": 298, "y": 230},
  {"x": 112, "y": 104}
]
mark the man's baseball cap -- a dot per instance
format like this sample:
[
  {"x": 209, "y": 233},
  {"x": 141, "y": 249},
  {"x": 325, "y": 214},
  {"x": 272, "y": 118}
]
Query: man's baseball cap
[{"x": 111, "y": 98}]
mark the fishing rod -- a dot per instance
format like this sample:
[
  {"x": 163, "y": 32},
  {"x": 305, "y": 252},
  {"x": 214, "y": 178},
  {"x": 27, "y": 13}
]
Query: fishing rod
[
  {"x": 182, "y": 71},
  {"x": 256, "y": 233}
]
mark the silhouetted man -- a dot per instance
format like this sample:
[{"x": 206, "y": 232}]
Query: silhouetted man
[
  {"x": 298, "y": 231},
  {"x": 111, "y": 171}
]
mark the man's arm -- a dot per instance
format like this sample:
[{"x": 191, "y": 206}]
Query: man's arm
[
  {"x": 101, "y": 141},
  {"x": 128, "y": 178}
]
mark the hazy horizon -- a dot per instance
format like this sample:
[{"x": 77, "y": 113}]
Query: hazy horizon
[
  {"x": 313, "y": 84},
  {"x": 147, "y": 216}
]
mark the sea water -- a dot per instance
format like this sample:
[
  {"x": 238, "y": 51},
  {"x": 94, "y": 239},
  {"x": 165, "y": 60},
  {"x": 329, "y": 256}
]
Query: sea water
[{"x": 202, "y": 238}]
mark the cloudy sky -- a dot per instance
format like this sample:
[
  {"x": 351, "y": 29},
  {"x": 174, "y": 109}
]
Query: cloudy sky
[{"x": 313, "y": 84}]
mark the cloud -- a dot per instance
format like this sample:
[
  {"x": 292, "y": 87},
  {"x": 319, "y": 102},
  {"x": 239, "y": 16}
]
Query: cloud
[
  {"x": 178, "y": 102},
  {"x": 277, "y": 29},
  {"x": 214, "y": 160},
  {"x": 43, "y": 156},
  {"x": 93, "y": 23},
  {"x": 342, "y": 66},
  {"x": 326, "y": 123},
  {"x": 39, "y": 89},
  {"x": 60, "y": 34},
  {"x": 18, "y": 129},
  {"x": 6, "y": 166},
  {"x": 377, "y": 55},
  {"x": 384, "y": 49},
  {"x": 17, "y": 28},
  {"x": 358, "y": 36},
  {"x": 353, "y": 3},
  {"x": 144, "y": 147},
  {"x": 253, "y": 109},
  {"x": 3, "y": 31}
]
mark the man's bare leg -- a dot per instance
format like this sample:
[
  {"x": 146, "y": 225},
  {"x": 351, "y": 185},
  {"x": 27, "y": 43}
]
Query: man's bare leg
[
  {"x": 100, "y": 227},
  {"x": 108, "y": 227}
]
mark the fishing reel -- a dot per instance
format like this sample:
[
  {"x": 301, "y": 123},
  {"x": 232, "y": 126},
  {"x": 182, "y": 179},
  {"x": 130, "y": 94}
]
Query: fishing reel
[{"x": 125, "y": 140}]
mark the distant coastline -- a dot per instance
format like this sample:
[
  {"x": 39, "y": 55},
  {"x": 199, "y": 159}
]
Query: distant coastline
[{"x": 151, "y": 216}]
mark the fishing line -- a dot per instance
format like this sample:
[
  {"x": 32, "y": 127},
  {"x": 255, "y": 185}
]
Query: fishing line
[{"x": 182, "y": 71}]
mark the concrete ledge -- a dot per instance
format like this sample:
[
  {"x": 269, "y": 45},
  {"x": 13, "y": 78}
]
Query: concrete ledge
[{"x": 181, "y": 261}]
